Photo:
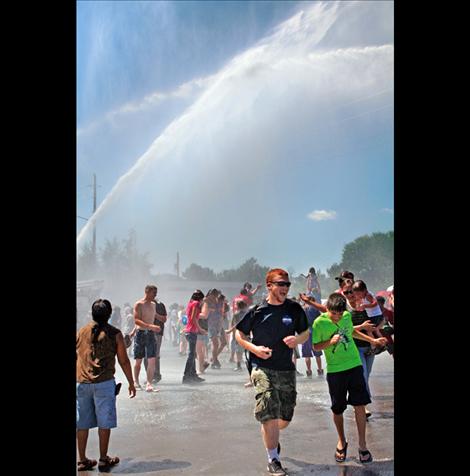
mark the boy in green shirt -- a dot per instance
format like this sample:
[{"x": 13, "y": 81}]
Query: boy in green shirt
[{"x": 333, "y": 333}]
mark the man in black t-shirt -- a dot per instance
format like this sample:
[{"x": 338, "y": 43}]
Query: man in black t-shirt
[{"x": 273, "y": 326}]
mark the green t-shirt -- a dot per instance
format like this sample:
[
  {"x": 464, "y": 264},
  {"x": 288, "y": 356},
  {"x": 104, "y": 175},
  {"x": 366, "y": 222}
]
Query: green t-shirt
[{"x": 344, "y": 355}]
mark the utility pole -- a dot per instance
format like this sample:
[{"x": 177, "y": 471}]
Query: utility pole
[{"x": 177, "y": 265}]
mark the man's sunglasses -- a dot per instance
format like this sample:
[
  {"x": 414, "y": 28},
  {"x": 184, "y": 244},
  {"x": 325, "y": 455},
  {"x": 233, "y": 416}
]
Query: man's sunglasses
[
  {"x": 281, "y": 283},
  {"x": 347, "y": 292}
]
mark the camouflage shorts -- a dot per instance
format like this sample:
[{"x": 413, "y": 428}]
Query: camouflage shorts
[{"x": 275, "y": 394}]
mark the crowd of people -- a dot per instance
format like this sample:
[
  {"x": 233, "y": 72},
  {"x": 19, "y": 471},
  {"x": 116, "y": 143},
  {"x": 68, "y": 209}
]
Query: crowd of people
[{"x": 261, "y": 333}]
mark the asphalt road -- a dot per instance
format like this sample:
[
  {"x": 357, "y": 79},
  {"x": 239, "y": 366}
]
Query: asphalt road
[{"x": 210, "y": 429}]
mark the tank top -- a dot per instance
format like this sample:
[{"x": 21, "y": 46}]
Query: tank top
[
  {"x": 372, "y": 311},
  {"x": 358, "y": 317},
  {"x": 96, "y": 361}
]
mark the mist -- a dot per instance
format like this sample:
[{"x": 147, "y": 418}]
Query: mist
[{"x": 212, "y": 183}]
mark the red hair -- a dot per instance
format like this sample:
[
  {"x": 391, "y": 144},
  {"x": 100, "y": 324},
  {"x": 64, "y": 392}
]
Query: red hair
[{"x": 276, "y": 272}]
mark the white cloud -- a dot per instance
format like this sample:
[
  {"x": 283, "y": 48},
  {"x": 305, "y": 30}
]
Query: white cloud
[
  {"x": 321, "y": 215},
  {"x": 387, "y": 210}
]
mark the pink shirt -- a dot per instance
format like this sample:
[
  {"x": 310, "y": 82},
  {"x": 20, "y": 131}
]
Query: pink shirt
[{"x": 193, "y": 307}]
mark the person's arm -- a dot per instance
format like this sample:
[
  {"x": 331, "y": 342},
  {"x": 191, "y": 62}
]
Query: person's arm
[
  {"x": 326, "y": 343},
  {"x": 123, "y": 359},
  {"x": 372, "y": 302},
  {"x": 204, "y": 311},
  {"x": 162, "y": 317},
  {"x": 311, "y": 302},
  {"x": 359, "y": 335},
  {"x": 255, "y": 290},
  {"x": 259, "y": 350},
  {"x": 366, "y": 325},
  {"x": 133, "y": 331},
  {"x": 293, "y": 341},
  {"x": 139, "y": 322}
]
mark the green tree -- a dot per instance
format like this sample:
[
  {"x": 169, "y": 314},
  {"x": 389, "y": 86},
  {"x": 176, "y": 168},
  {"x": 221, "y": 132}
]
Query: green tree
[
  {"x": 250, "y": 270},
  {"x": 196, "y": 272},
  {"x": 87, "y": 266},
  {"x": 370, "y": 258}
]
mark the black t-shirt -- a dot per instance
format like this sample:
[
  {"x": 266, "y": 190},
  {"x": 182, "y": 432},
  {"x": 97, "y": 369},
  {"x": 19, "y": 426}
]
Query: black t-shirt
[
  {"x": 358, "y": 317},
  {"x": 161, "y": 309},
  {"x": 269, "y": 324}
]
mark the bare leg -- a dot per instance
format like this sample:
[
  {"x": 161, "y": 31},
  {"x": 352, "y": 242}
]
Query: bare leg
[
  {"x": 270, "y": 432},
  {"x": 360, "y": 413},
  {"x": 201, "y": 355},
  {"x": 318, "y": 359},
  {"x": 103, "y": 435},
  {"x": 282, "y": 423},
  {"x": 82, "y": 438},
  {"x": 339, "y": 423},
  {"x": 215, "y": 349},
  {"x": 308, "y": 363},
  {"x": 223, "y": 343},
  {"x": 150, "y": 372},
  {"x": 137, "y": 365}
]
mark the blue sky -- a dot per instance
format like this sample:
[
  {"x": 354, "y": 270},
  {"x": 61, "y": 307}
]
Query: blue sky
[{"x": 242, "y": 129}]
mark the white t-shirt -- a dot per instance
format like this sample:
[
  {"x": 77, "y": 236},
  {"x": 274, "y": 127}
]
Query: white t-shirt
[{"x": 372, "y": 311}]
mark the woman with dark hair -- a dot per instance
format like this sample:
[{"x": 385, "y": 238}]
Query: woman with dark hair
[
  {"x": 98, "y": 345},
  {"x": 191, "y": 331}
]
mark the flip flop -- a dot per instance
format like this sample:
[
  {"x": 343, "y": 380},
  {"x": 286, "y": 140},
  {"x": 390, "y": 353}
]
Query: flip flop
[
  {"x": 365, "y": 453},
  {"x": 342, "y": 453}
]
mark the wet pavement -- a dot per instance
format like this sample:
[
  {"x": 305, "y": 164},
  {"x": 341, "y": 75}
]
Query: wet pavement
[{"x": 210, "y": 429}]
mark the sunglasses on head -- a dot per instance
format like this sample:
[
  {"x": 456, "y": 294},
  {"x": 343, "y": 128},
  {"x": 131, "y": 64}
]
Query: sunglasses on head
[{"x": 281, "y": 283}]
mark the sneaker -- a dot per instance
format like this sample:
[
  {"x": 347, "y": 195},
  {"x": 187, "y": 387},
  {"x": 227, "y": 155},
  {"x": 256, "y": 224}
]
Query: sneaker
[
  {"x": 319, "y": 372},
  {"x": 309, "y": 373},
  {"x": 275, "y": 468},
  {"x": 196, "y": 378},
  {"x": 300, "y": 374},
  {"x": 237, "y": 369}
]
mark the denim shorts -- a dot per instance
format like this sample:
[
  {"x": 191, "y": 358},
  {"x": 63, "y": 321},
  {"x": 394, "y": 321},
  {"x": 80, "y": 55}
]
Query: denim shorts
[
  {"x": 96, "y": 405},
  {"x": 203, "y": 337},
  {"x": 145, "y": 344}
]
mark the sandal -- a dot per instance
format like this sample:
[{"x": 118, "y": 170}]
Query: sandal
[
  {"x": 86, "y": 464},
  {"x": 106, "y": 463},
  {"x": 363, "y": 454},
  {"x": 342, "y": 453}
]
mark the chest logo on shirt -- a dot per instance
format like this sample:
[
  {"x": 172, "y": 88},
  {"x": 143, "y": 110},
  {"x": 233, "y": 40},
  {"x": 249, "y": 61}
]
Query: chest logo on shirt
[
  {"x": 287, "y": 320},
  {"x": 343, "y": 339}
]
